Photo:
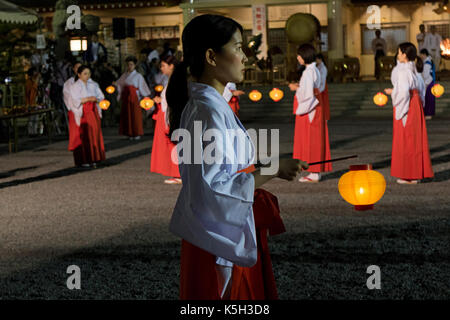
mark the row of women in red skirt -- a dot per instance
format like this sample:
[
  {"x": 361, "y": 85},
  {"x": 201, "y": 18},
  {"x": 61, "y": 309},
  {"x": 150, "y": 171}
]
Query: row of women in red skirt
[
  {"x": 410, "y": 160},
  {"x": 82, "y": 94}
]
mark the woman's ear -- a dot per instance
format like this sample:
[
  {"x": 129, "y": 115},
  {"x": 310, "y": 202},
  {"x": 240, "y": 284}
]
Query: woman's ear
[{"x": 210, "y": 57}]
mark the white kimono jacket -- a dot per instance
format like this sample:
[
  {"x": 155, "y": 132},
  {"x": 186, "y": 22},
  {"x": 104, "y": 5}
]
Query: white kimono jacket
[
  {"x": 426, "y": 74},
  {"x": 421, "y": 86},
  {"x": 66, "y": 92},
  {"x": 134, "y": 79},
  {"x": 227, "y": 94},
  {"x": 404, "y": 79},
  {"x": 79, "y": 90},
  {"x": 323, "y": 76},
  {"x": 306, "y": 99},
  {"x": 164, "y": 106},
  {"x": 214, "y": 208}
]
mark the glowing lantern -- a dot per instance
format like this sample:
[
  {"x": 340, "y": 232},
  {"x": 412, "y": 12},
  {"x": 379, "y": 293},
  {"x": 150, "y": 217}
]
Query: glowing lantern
[
  {"x": 147, "y": 103},
  {"x": 380, "y": 99},
  {"x": 362, "y": 186},
  {"x": 104, "y": 104},
  {"x": 276, "y": 94},
  {"x": 437, "y": 90},
  {"x": 110, "y": 89},
  {"x": 159, "y": 88},
  {"x": 255, "y": 95}
]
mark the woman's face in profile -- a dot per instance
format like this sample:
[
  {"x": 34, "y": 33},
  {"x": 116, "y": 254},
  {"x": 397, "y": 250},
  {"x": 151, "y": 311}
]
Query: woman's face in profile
[{"x": 230, "y": 62}]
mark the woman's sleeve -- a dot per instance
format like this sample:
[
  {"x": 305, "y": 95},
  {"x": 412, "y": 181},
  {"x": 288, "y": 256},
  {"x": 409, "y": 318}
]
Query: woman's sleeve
[
  {"x": 144, "y": 90},
  {"x": 66, "y": 96},
  {"x": 400, "y": 94},
  {"x": 98, "y": 93},
  {"x": 76, "y": 96},
  {"x": 307, "y": 101},
  {"x": 427, "y": 78},
  {"x": 119, "y": 85}
]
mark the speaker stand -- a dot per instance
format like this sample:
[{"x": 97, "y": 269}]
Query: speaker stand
[{"x": 120, "y": 56}]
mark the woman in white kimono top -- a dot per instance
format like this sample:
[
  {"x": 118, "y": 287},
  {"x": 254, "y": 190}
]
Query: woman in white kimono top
[
  {"x": 85, "y": 133},
  {"x": 311, "y": 142},
  {"x": 131, "y": 88},
  {"x": 410, "y": 159},
  {"x": 214, "y": 210}
]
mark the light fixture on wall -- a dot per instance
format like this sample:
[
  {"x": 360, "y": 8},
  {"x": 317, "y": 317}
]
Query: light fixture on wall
[
  {"x": 78, "y": 44},
  {"x": 443, "y": 7}
]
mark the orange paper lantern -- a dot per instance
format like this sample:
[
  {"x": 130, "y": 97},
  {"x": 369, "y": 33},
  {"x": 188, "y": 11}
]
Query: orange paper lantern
[
  {"x": 147, "y": 103},
  {"x": 110, "y": 89},
  {"x": 437, "y": 90},
  {"x": 276, "y": 94},
  {"x": 159, "y": 88},
  {"x": 255, "y": 95},
  {"x": 362, "y": 186},
  {"x": 104, "y": 104},
  {"x": 380, "y": 99}
]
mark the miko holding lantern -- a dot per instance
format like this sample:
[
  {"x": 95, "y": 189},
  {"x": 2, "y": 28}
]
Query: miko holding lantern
[
  {"x": 311, "y": 142},
  {"x": 131, "y": 88},
  {"x": 85, "y": 132},
  {"x": 161, "y": 159},
  {"x": 410, "y": 160}
]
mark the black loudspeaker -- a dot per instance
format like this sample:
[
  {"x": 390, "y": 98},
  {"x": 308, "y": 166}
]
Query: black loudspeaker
[
  {"x": 123, "y": 28},
  {"x": 119, "y": 30},
  {"x": 130, "y": 28}
]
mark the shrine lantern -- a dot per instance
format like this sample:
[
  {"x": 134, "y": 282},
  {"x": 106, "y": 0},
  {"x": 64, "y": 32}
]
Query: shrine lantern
[
  {"x": 380, "y": 99},
  {"x": 276, "y": 94},
  {"x": 255, "y": 95},
  {"x": 110, "y": 89},
  {"x": 104, "y": 104},
  {"x": 437, "y": 90},
  {"x": 147, "y": 103},
  {"x": 362, "y": 186}
]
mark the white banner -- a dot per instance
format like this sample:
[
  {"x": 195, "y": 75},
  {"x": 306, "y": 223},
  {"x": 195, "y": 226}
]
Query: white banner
[{"x": 260, "y": 27}]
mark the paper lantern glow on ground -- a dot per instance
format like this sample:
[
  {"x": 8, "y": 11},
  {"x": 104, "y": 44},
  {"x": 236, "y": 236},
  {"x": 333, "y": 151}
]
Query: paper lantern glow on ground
[
  {"x": 146, "y": 103},
  {"x": 362, "y": 186},
  {"x": 276, "y": 94},
  {"x": 255, "y": 95},
  {"x": 380, "y": 99}
]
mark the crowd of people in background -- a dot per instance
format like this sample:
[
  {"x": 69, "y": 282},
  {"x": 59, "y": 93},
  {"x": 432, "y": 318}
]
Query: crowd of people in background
[
  {"x": 427, "y": 41},
  {"x": 47, "y": 75}
]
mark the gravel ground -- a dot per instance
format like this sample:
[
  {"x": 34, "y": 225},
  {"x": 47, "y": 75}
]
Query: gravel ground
[{"x": 113, "y": 223}]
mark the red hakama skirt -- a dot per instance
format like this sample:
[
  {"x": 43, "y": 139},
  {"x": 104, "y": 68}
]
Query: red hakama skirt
[
  {"x": 161, "y": 159},
  {"x": 326, "y": 102},
  {"x": 86, "y": 140},
  {"x": 198, "y": 277},
  {"x": 130, "y": 114},
  {"x": 410, "y": 152},
  {"x": 311, "y": 142},
  {"x": 234, "y": 104}
]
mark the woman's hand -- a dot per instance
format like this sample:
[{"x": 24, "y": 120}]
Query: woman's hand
[
  {"x": 293, "y": 86},
  {"x": 157, "y": 99},
  {"x": 238, "y": 93},
  {"x": 388, "y": 91},
  {"x": 289, "y": 168}
]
